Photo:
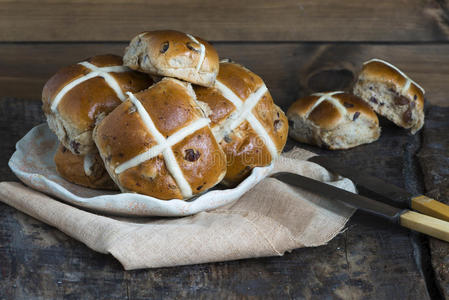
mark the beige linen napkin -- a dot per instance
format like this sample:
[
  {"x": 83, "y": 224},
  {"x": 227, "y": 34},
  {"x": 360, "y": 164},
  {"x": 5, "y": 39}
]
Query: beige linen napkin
[{"x": 268, "y": 220}]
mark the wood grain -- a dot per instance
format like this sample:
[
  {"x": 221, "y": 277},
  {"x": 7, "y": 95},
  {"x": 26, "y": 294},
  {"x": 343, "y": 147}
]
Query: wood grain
[
  {"x": 231, "y": 20},
  {"x": 370, "y": 260},
  {"x": 289, "y": 69},
  {"x": 433, "y": 158}
]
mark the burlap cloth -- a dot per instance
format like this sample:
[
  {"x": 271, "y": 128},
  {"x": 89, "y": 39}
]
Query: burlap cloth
[{"x": 267, "y": 221}]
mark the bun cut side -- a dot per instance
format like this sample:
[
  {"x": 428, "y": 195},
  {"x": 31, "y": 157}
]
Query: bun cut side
[{"x": 392, "y": 94}]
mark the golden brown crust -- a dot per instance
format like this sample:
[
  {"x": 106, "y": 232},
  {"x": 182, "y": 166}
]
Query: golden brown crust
[
  {"x": 71, "y": 167},
  {"x": 107, "y": 60},
  {"x": 132, "y": 81},
  {"x": 378, "y": 71},
  {"x": 392, "y": 94},
  {"x": 150, "y": 178},
  {"x": 169, "y": 107},
  {"x": 244, "y": 148},
  {"x": 174, "y": 54},
  {"x": 199, "y": 159},
  {"x": 119, "y": 141},
  {"x": 220, "y": 106},
  {"x": 273, "y": 119},
  {"x": 123, "y": 134},
  {"x": 335, "y": 120},
  {"x": 302, "y": 106},
  {"x": 82, "y": 104},
  {"x": 327, "y": 115},
  {"x": 354, "y": 104},
  {"x": 58, "y": 81},
  {"x": 239, "y": 79},
  {"x": 77, "y": 111}
]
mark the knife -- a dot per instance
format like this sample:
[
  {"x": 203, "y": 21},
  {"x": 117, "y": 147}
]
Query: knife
[
  {"x": 404, "y": 217},
  {"x": 390, "y": 193}
]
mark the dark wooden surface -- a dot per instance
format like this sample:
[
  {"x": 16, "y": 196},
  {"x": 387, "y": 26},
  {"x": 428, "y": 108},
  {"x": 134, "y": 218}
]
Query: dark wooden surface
[
  {"x": 369, "y": 260},
  {"x": 289, "y": 69},
  {"x": 231, "y": 20},
  {"x": 434, "y": 159}
]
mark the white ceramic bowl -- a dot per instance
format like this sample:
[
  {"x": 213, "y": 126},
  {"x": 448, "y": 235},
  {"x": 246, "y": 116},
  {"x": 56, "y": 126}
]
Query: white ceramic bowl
[{"x": 33, "y": 163}]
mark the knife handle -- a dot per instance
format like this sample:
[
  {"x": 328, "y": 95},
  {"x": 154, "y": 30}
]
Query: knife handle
[
  {"x": 428, "y": 225},
  {"x": 431, "y": 207}
]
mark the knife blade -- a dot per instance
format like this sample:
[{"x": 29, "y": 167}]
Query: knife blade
[
  {"x": 404, "y": 217},
  {"x": 363, "y": 203},
  {"x": 389, "y": 193}
]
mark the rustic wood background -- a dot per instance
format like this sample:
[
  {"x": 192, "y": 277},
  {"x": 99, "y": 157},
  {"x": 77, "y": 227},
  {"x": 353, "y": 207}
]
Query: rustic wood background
[
  {"x": 297, "y": 47},
  {"x": 290, "y": 43}
]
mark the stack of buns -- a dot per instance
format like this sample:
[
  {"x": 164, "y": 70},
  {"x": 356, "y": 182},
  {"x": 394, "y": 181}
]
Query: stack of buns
[
  {"x": 169, "y": 121},
  {"x": 339, "y": 120}
]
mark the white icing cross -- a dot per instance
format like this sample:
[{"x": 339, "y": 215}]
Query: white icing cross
[
  {"x": 242, "y": 113},
  {"x": 163, "y": 146},
  {"x": 327, "y": 97},
  {"x": 95, "y": 72},
  {"x": 88, "y": 163},
  {"x": 408, "y": 82},
  {"x": 202, "y": 51}
]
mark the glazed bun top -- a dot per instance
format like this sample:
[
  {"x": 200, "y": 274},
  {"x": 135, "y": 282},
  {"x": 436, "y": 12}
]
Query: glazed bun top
[
  {"x": 76, "y": 95},
  {"x": 380, "y": 70},
  {"x": 82, "y": 91},
  {"x": 251, "y": 129},
  {"x": 159, "y": 143},
  {"x": 329, "y": 110},
  {"x": 173, "y": 54}
]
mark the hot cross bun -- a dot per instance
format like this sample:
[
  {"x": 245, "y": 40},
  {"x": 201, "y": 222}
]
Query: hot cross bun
[
  {"x": 334, "y": 120},
  {"x": 159, "y": 143},
  {"x": 86, "y": 170},
  {"x": 391, "y": 94},
  {"x": 173, "y": 54},
  {"x": 250, "y": 128},
  {"x": 76, "y": 95}
]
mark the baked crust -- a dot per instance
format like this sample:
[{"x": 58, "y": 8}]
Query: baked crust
[
  {"x": 196, "y": 160},
  {"x": 250, "y": 128},
  {"x": 72, "y": 105},
  {"x": 78, "y": 169},
  {"x": 334, "y": 120},
  {"x": 392, "y": 94},
  {"x": 173, "y": 54}
]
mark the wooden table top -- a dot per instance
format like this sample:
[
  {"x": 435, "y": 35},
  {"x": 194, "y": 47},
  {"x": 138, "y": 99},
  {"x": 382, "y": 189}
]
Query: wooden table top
[{"x": 297, "y": 47}]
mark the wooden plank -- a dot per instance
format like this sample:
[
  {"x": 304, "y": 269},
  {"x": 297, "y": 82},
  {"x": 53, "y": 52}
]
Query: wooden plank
[
  {"x": 434, "y": 161},
  {"x": 231, "y": 20},
  {"x": 369, "y": 260},
  {"x": 289, "y": 69}
]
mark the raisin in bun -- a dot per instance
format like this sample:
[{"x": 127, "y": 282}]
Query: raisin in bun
[
  {"x": 159, "y": 143},
  {"x": 76, "y": 95},
  {"x": 173, "y": 54},
  {"x": 391, "y": 94},
  {"x": 334, "y": 120},
  {"x": 251, "y": 129},
  {"x": 86, "y": 170}
]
